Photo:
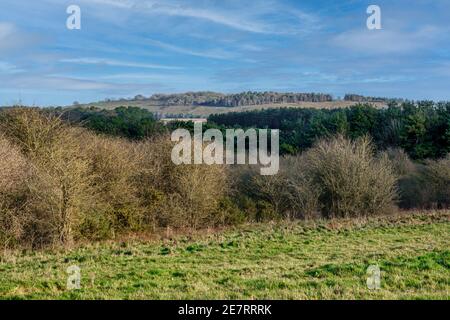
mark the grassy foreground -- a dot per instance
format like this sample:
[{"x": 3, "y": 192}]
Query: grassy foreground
[{"x": 298, "y": 260}]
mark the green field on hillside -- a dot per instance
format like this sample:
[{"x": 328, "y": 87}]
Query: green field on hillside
[{"x": 286, "y": 260}]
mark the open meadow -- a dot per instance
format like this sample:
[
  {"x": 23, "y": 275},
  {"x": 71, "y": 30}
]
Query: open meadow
[{"x": 287, "y": 260}]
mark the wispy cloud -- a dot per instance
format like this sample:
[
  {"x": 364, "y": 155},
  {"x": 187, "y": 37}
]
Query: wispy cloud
[
  {"x": 12, "y": 38},
  {"x": 230, "y": 20},
  {"x": 260, "y": 17},
  {"x": 8, "y": 68},
  {"x": 71, "y": 84},
  {"x": 25, "y": 81},
  {"x": 117, "y": 63},
  {"x": 128, "y": 4},
  {"x": 387, "y": 41},
  {"x": 6, "y": 30},
  {"x": 215, "y": 54}
]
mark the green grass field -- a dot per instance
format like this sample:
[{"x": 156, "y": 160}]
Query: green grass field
[{"x": 288, "y": 260}]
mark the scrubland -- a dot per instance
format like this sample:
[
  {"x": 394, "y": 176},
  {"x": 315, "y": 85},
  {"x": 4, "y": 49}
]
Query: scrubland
[{"x": 139, "y": 226}]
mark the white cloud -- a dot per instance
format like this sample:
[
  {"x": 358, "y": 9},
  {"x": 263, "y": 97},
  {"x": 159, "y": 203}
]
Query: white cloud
[
  {"x": 117, "y": 63},
  {"x": 11, "y": 38},
  {"x": 138, "y": 76},
  {"x": 8, "y": 68},
  {"x": 387, "y": 41},
  {"x": 6, "y": 29},
  {"x": 127, "y": 4}
]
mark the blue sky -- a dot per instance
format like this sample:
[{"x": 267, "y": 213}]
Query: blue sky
[{"x": 130, "y": 47}]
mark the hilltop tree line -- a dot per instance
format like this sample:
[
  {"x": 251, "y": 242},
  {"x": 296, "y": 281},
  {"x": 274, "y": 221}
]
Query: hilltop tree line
[
  {"x": 360, "y": 98},
  {"x": 258, "y": 98},
  {"x": 249, "y": 98}
]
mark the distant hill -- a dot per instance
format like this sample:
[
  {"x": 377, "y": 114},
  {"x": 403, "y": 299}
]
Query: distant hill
[{"x": 204, "y": 103}]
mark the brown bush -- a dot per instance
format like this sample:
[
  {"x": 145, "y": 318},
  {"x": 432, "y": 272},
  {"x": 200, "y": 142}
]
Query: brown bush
[
  {"x": 81, "y": 185},
  {"x": 14, "y": 173},
  {"x": 13, "y": 167},
  {"x": 201, "y": 188},
  {"x": 30, "y": 130},
  {"x": 60, "y": 190},
  {"x": 428, "y": 187},
  {"x": 113, "y": 168},
  {"x": 352, "y": 182},
  {"x": 337, "y": 177},
  {"x": 412, "y": 193},
  {"x": 401, "y": 163},
  {"x": 179, "y": 196},
  {"x": 422, "y": 185},
  {"x": 289, "y": 194},
  {"x": 302, "y": 194},
  {"x": 437, "y": 177},
  {"x": 58, "y": 187}
]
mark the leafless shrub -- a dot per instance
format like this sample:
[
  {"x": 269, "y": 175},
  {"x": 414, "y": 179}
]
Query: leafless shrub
[
  {"x": 13, "y": 176},
  {"x": 426, "y": 185},
  {"x": 400, "y": 161},
  {"x": 302, "y": 194},
  {"x": 112, "y": 169},
  {"x": 437, "y": 180},
  {"x": 60, "y": 191},
  {"x": 57, "y": 188},
  {"x": 337, "y": 177},
  {"x": 13, "y": 167},
  {"x": 289, "y": 194},
  {"x": 352, "y": 182},
  {"x": 180, "y": 196},
  {"x": 30, "y": 130}
]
